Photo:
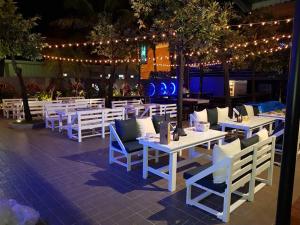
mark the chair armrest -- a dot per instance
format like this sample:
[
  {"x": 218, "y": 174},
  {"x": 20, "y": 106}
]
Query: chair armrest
[
  {"x": 113, "y": 134},
  {"x": 192, "y": 120},
  {"x": 207, "y": 170}
]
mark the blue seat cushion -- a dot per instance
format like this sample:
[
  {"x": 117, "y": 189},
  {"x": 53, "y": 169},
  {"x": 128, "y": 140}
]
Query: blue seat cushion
[
  {"x": 127, "y": 129},
  {"x": 212, "y": 116},
  {"x": 207, "y": 181},
  {"x": 157, "y": 120},
  {"x": 130, "y": 146}
]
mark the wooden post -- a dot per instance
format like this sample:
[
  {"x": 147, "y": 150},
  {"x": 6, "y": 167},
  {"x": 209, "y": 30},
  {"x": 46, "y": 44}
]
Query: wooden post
[{"x": 290, "y": 145}]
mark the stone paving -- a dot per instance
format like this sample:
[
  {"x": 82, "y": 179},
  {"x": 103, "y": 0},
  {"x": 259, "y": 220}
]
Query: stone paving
[{"x": 71, "y": 183}]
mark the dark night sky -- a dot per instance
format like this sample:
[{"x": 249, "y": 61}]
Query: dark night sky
[{"x": 50, "y": 10}]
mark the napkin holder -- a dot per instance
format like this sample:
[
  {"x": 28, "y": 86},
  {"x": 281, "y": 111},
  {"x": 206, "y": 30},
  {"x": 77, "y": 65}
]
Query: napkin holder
[
  {"x": 164, "y": 131},
  {"x": 202, "y": 126}
]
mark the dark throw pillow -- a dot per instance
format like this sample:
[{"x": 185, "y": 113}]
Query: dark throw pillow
[
  {"x": 157, "y": 120},
  {"x": 212, "y": 116},
  {"x": 242, "y": 110},
  {"x": 127, "y": 129},
  {"x": 249, "y": 141}
]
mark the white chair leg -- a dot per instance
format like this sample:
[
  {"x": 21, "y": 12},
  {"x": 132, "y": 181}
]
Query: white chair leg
[
  {"x": 111, "y": 155},
  {"x": 180, "y": 153},
  {"x": 128, "y": 157},
  {"x": 103, "y": 132},
  {"x": 79, "y": 135},
  {"x": 226, "y": 207},
  {"x": 188, "y": 194},
  {"x": 270, "y": 175}
]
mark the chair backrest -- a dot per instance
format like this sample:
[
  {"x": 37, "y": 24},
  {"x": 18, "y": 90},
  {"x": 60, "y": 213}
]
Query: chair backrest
[
  {"x": 7, "y": 103},
  {"x": 170, "y": 109},
  {"x": 77, "y": 105},
  {"x": 97, "y": 102},
  {"x": 241, "y": 169},
  {"x": 155, "y": 110},
  {"x": 90, "y": 119},
  {"x": 113, "y": 114},
  {"x": 69, "y": 98},
  {"x": 134, "y": 102},
  {"x": 118, "y": 104},
  {"x": 37, "y": 108},
  {"x": 52, "y": 108},
  {"x": 265, "y": 154}
]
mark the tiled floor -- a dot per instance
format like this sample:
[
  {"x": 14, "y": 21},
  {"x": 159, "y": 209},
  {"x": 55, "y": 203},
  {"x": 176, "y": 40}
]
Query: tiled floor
[{"x": 71, "y": 183}]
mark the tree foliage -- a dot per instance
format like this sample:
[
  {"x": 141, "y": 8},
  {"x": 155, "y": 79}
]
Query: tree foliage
[
  {"x": 18, "y": 39},
  {"x": 16, "y": 33}
]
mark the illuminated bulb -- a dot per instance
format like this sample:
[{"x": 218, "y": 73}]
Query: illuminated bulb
[
  {"x": 153, "y": 36},
  {"x": 127, "y": 39},
  {"x": 163, "y": 35},
  {"x": 70, "y": 44},
  {"x": 263, "y": 23},
  {"x": 275, "y": 22},
  {"x": 108, "y": 42},
  {"x": 84, "y": 44},
  {"x": 116, "y": 41},
  {"x": 288, "y": 20},
  {"x": 135, "y": 39},
  {"x": 239, "y": 26},
  {"x": 77, "y": 44},
  {"x": 63, "y": 45},
  {"x": 56, "y": 46},
  {"x": 144, "y": 37},
  {"x": 250, "y": 24}
]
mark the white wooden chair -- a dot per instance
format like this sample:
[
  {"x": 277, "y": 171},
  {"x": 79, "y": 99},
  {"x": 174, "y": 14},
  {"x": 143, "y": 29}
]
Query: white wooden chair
[
  {"x": 86, "y": 124},
  {"x": 123, "y": 153},
  {"x": 52, "y": 119},
  {"x": 8, "y": 108},
  {"x": 110, "y": 116},
  {"x": 240, "y": 170},
  {"x": 118, "y": 104}
]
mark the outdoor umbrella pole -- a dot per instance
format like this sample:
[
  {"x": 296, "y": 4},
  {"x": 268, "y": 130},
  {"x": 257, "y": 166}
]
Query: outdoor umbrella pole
[{"x": 290, "y": 145}]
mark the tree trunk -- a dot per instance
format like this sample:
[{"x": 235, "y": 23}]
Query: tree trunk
[
  {"x": 26, "y": 108},
  {"x": 126, "y": 71},
  {"x": 111, "y": 84},
  {"x": 226, "y": 83},
  {"x": 180, "y": 91},
  {"x": 154, "y": 57}
]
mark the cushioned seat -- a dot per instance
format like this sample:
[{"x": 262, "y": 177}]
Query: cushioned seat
[
  {"x": 215, "y": 127},
  {"x": 207, "y": 181},
  {"x": 130, "y": 146}
]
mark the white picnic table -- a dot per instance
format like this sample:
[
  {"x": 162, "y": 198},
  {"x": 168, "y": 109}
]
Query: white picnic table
[
  {"x": 254, "y": 122},
  {"x": 188, "y": 142}
]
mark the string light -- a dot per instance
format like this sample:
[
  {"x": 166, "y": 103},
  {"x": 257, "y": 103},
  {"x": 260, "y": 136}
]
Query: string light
[{"x": 153, "y": 36}]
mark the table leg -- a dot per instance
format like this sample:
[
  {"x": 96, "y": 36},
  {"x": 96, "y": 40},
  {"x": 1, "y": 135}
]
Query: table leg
[
  {"x": 223, "y": 128},
  {"x": 69, "y": 126},
  {"x": 145, "y": 162},
  {"x": 172, "y": 171},
  {"x": 270, "y": 128},
  {"x": 248, "y": 133}
]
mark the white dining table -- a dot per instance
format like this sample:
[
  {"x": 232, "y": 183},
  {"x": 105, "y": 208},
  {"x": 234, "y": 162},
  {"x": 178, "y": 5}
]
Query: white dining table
[
  {"x": 254, "y": 122},
  {"x": 189, "y": 142}
]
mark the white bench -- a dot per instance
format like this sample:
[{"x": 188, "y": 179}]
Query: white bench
[{"x": 93, "y": 122}]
